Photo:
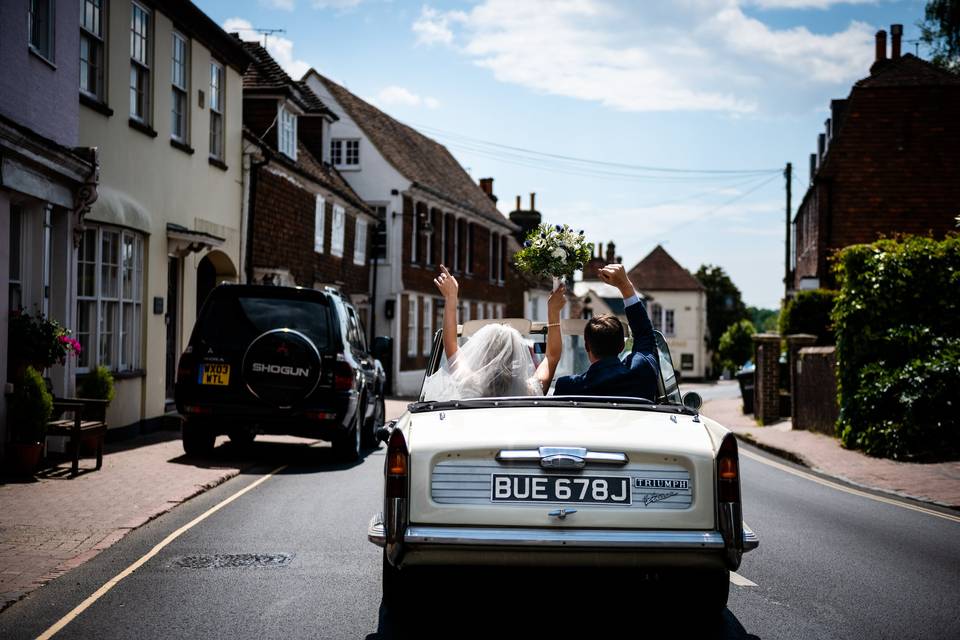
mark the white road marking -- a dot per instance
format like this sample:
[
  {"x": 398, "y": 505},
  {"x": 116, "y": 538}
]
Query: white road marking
[
  {"x": 110, "y": 584},
  {"x": 740, "y": 581},
  {"x": 845, "y": 489}
]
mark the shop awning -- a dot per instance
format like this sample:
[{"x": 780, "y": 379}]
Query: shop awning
[
  {"x": 182, "y": 241},
  {"x": 118, "y": 208}
]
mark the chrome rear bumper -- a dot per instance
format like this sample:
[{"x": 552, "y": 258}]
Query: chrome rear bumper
[{"x": 558, "y": 538}]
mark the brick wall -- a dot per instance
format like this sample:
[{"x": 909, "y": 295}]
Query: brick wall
[
  {"x": 893, "y": 168},
  {"x": 283, "y": 234},
  {"x": 766, "y": 391},
  {"x": 815, "y": 394}
]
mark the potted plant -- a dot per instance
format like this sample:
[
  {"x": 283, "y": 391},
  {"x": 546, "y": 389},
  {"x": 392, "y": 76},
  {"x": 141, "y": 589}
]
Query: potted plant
[
  {"x": 30, "y": 407},
  {"x": 95, "y": 385},
  {"x": 38, "y": 342}
]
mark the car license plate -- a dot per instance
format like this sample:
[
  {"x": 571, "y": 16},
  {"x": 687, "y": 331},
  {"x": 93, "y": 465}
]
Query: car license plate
[
  {"x": 567, "y": 489},
  {"x": 218, "y": 374}
]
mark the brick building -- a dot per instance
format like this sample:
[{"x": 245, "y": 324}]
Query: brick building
[
  {"x": 888, "y": 162},
  {"x": 432, "y": 213},
  {"x": 305, "y": 225}
]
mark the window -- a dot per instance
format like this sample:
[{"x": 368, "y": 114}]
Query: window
[
  {"x": 427, "y": 326},
  {"x": 179, "y": 90},
  {"x": 494, "y": 256},
  {"x": 470, "y": 230},
  {"x": 360, "y": 242},
  {"x": 319, "y": 226},
  {"x": 109, "y": 298},
  {"x": 345, "y": 153},
  {"x": 444, "y": 253},
  {"x": 656, "y": 317},
  {"x": 40, "y": 22},
  {"x": 412, "y": 327},
  {"x": 502, "y": 264},
  {"x": 534, "y": 308},
  {"x": 336, "y": 231},
  {"x": 91, "y": 49},
  {"x": 380, "y": 236},
  {"x": 216, "y": 110},
  {"x": 15, "y": 291},
  {"x": 140, "y": 63},
  {"x": 668, "y": 322},
  {"x": 288, "y": 134},
  {"x": 686, "y": 362}
]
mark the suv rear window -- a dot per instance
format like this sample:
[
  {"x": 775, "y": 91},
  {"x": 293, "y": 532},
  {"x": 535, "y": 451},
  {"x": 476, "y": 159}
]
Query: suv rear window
[{"x": 233, "y": 321}]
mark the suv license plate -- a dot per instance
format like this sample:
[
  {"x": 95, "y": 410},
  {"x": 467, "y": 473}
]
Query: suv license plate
[
  {"x": 217, "y": 374},
  {"x": 566, "y": 489}
]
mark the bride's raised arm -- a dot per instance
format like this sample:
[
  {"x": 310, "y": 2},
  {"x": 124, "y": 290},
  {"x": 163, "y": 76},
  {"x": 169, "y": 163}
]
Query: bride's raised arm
[
  {"x": 548, "y": 367},
  {"x": 449, "y": 288}
]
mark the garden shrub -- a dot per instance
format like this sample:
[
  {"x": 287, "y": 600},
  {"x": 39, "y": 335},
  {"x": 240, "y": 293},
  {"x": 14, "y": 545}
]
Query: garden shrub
[
  {"x": 30, "y": 407},
  {"x": 897, "y": 324},
  {"x": 97, "y": 384},
  {"x": 809, "y": 312},
  {"x": 736, "y": 345}
]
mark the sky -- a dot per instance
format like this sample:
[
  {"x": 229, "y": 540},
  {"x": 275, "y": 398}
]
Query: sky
[{"x": 643, "y": 122}]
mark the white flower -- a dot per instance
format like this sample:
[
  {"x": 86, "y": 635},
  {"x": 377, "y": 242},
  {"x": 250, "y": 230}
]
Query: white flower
[{"x": 560, "y": 254}]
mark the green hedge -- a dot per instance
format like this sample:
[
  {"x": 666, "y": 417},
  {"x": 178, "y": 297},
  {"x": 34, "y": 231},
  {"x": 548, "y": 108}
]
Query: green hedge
[
  {"x": 897, "y": 324},
  {"x": 809, "y": 312},
  {"x": 736, "y": 345}
]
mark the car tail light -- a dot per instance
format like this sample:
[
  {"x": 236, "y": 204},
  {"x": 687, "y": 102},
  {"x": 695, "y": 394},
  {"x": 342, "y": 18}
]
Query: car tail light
[
  {"x": 342, "y": 377},
  {"x": 185, "y": 369},
  {"x": 194, "y": 410},
  {"x": 398, "y": 466},
  {"x": 320, "y": 416},
  {"x": 728, "y": 471}
]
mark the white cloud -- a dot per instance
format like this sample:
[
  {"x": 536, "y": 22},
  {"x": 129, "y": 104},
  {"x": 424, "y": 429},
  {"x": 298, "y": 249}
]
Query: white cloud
[
  {"x": 284, "y": 5},
  {"x": 279, "y": 47},
  {"x": 394, "y": 95},
  {"x": 434, "y": 27},
  {"x": 703, "y": 55},
  {"x": 339, "y": 5},
  {"x": 804, "y": 4}
]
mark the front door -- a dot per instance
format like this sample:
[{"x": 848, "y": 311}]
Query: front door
[{"x": 173, "y": 313}]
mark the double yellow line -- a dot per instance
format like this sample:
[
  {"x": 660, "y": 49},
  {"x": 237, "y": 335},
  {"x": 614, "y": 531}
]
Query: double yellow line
[{"x": 839, "y": 487}]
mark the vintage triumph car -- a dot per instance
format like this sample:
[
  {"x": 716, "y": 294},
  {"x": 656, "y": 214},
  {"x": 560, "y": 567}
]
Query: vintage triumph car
[{"x": 562, "y": 481}]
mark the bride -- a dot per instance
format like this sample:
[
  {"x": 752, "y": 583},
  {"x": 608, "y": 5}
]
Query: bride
[{"x": 495, "y": 361}]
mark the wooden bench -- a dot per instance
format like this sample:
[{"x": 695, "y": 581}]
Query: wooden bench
[{"x": 88, "y": 421}]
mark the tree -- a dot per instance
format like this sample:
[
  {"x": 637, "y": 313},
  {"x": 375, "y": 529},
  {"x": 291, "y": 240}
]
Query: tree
[
  {"x": 940, "y": 31},
  {"x": 736, "y": 345},
  {"x": 724, "y": 305},
  {"x": 764, "y": 320}
]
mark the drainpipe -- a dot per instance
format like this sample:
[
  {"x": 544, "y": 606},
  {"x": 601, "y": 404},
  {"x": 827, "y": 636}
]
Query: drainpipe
[{"x": 251, "y": 209}]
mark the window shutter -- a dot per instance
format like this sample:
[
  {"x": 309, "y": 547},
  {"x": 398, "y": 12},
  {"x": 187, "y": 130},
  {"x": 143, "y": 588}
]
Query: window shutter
[{"x": 319, "y": 218}]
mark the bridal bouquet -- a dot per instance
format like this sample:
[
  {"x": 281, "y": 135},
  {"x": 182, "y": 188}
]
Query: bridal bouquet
[{"x": 553, "y": 251}]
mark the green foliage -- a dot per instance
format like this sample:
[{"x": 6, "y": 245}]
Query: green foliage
[
  {"x": 38, "y": 341},
  {"x": 30, "y": 407},
  {"x": 809, "y": 312},
  {"x": 940, "y": 31},
  {"x": 555, "y": 251},
  {"x": 98, "y": 384},
  {"x": 724, "y": 306},
  {"x": 736, "y": 345},
  {"x": 897, "y": 322},
  {"x": 764, "y": 320}
]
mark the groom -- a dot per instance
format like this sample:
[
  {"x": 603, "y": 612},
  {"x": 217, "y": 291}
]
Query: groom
[{"x": 634, "y": 376}]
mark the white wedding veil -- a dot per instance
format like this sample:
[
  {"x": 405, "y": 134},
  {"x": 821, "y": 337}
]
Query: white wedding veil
[{"x": 494, "y": 362}]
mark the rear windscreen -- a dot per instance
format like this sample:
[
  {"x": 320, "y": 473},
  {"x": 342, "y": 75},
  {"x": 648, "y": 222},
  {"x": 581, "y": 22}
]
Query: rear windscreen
[{"x": 230, "y": 321}]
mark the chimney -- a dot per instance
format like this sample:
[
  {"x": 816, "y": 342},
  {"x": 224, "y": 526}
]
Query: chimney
[
  {"x": 518, "y": 204},
  {"x": 487, "y": 185},
  {"x": 813, "y": 167},
  {"x": 611, "y": 252},
  {"x": 821, "y": 147},
  {"x": 881, "y": 46},
  {"x": 533, "y": 200},
  {"x": 829, "y": 129},
  {"x": 896, "y": 34}
]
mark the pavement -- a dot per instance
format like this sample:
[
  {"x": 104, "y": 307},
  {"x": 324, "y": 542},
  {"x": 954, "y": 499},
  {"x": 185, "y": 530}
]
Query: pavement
[{"x": 936, "y": 483}]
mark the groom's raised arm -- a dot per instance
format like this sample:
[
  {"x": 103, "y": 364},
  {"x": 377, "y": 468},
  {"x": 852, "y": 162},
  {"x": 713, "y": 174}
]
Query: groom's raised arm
[{"x": 640, "y": 326}]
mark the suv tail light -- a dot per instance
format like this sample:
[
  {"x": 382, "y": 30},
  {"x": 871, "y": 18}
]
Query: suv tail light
[
  {"x": 185, "y": 369},
  {"x": 342, "y": 376},
  {"x": 728, "y": 471}
]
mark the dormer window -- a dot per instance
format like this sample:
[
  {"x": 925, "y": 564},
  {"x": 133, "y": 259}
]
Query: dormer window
[
  {"x": 345, "y": 153},
  {"x": 288, "y": 133}
]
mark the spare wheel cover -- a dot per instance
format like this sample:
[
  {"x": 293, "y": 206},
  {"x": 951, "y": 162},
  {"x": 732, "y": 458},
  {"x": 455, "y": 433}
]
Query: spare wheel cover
[{"x": 282, "y": 367}]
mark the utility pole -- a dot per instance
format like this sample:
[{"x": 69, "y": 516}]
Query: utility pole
[{"x": 788, "y": 174}]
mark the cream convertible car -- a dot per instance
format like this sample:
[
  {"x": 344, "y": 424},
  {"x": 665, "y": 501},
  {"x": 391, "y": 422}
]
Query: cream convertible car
[{"x": 563, "y": 481}]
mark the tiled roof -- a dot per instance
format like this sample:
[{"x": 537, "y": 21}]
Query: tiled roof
[
  {"x": 308, "y": 166},
  {"x": 425, "y": 162},
  {"x": 905, "y": 71},
  {"x": 660, "y": 272},
  {"x": 265, "y": 74}
]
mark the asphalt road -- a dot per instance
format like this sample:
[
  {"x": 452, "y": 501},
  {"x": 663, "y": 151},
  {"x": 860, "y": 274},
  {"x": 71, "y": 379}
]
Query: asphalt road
[{"x": 832, "y": 564}]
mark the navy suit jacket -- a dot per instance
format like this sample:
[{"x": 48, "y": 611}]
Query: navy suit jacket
[{"x": 634, "y": 376}]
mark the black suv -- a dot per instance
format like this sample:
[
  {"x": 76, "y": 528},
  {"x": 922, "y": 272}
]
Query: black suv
[{"x": 280, "y": 360}]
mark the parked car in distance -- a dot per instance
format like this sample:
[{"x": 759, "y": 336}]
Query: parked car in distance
[
  {"x": 639, "y": 484},
  {"x": 279, "y": 360}
]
